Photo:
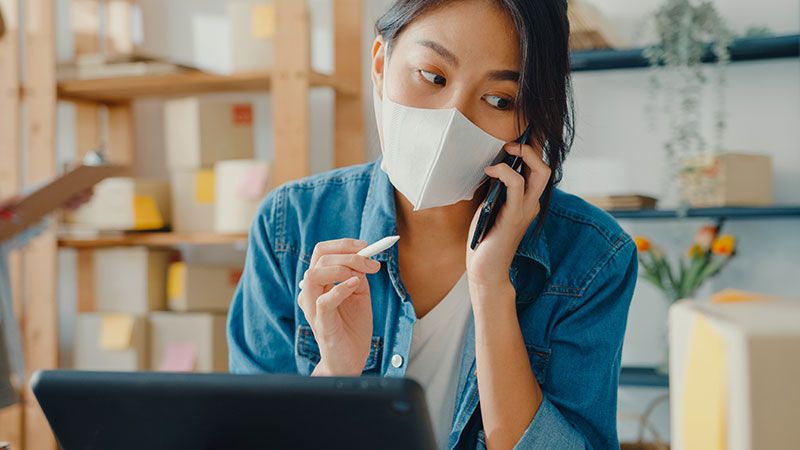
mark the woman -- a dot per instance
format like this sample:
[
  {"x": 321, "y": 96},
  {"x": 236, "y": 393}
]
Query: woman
[{"x": 517, "y": 342}]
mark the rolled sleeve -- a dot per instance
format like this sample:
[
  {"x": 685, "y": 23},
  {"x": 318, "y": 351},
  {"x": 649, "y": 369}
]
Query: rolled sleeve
[
  {"x": 550, "y": 430},
  {"x": 261, "y": 319},
  {"x": 579, "y": 403}
]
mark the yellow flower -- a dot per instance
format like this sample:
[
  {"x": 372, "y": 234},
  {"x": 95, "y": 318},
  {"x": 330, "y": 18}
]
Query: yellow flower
[
  {"x": 642, "y": 244},
  {"x": 724, "y": 245},
  {"x": 696, "y": 251}
]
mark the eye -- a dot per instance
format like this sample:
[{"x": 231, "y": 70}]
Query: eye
[
  {"x": 501, "y": 103},
  {"x": 433, "y": 78}
]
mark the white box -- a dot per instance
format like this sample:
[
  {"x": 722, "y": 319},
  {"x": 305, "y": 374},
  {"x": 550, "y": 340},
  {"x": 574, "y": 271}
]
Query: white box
[
  {"x": 192, "y": 287},
  {"x": 192, "y": 201},
  {"x": 124, "y": 203},
  {"x": 110, "y": 342},
  {"x": 201, "y": 131},
  {"x": 239, "y": 190},
  {"x": 130, "y": 279},
  {"x": 204, "y": 333},
  {"x": 211, "y": 35}
]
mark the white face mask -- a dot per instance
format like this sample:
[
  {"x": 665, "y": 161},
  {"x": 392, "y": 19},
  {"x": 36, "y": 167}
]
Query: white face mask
[{"x": 434, "y": 157}]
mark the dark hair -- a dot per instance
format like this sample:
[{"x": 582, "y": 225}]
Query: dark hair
[{"x": 545, "y": 90}]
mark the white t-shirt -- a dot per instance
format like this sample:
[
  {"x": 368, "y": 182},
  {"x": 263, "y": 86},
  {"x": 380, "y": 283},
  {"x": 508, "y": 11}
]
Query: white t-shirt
[{"x": 436, "y": 344}]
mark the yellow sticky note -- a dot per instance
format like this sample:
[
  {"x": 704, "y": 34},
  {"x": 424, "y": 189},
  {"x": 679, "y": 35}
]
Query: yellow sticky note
[
  {"x": 176, "y": 281},
  {"x": 705, "y": 390},
  {"x": 146, "y": 215},
  {"x": 263, "y": 22},
  {"x": 204, "y": 186},
  {"x": 116, "y": 332}
]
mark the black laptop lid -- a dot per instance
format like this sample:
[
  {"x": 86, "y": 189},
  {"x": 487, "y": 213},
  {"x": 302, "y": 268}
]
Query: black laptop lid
[{"x": 149, "y": 410}]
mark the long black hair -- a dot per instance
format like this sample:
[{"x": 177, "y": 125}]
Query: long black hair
[{"x": 545, "y": 89}]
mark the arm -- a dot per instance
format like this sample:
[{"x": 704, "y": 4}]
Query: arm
[
  {"x": 577, "y": 408},
  {"x": 261, "y": 319}
]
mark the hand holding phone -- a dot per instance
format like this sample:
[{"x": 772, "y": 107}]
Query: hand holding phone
[{"x": 496, "y": 196}]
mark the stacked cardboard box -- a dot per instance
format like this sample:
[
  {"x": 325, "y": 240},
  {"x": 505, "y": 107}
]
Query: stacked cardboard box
[
  {"x": 216, "y": 183},
  {"x": 130, "y": 282}
]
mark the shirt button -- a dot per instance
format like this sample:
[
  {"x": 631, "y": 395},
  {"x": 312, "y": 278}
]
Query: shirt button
[{"x": 397, "y": 361}]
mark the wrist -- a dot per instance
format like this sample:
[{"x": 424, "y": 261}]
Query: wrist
[
  {"x": 325, "y": 370},
  {"x": 500, "y": 293}
]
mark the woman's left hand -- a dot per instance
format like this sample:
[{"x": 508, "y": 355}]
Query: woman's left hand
[{"x": 488, "y": 265}]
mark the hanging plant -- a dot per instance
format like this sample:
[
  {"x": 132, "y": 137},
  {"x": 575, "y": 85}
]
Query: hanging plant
[{"x": 686, "y": 31}]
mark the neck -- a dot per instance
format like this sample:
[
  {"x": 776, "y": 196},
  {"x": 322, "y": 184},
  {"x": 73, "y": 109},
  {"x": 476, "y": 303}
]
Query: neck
[{"x": 437, "y": 227}]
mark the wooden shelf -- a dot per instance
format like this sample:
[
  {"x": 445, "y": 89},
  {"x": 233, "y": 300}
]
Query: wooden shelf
[
  {"x": 746, "y": 49},
  {"x": 159, "y": 239},
  {"x": 190, "y": 82}
]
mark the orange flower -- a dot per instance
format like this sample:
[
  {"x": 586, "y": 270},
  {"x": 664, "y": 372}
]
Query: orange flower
[
  {"x": 642, "y": 244},
  {"x": 705, "y": 236},
  {"x": 695, "y": 251},
  {"x": 724, "y": 245}
]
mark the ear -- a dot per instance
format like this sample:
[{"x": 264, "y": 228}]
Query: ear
[{"x": 377, "y": 67}]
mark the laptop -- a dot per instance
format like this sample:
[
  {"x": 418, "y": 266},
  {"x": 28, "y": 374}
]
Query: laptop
[{"x": 171, "y": 411}]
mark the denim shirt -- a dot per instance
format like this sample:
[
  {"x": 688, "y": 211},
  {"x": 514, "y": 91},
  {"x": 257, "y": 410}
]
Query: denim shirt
[{"x": 574, "y": 282}]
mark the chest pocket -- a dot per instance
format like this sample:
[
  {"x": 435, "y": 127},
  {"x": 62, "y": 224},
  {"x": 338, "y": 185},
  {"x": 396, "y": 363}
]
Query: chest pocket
[{"x": 307, "y": 353}]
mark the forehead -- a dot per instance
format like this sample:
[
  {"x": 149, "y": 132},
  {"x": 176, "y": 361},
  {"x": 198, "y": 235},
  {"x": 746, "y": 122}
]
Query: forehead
[{"x": 479, "y": 32}]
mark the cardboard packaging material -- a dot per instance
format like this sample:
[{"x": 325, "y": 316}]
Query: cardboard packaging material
[
  {"x": 201, "y": 131},
  {"x": 115, "y": 342},
  {"x": 192, "y": 287},
  {"x": 188, "y": 342},
  {"x": 130, "y": 280},
  {"x": 193, "y": 200},
  {"x": 240, "y": 188},
  {"x": 124, "y": 204},
  {"x": 728, "y": 179}
]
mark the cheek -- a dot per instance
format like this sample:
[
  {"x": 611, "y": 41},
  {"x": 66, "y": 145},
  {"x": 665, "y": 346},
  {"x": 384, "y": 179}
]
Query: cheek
[{"x": 502, "y": 125}]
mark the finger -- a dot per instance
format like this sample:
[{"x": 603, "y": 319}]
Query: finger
[
  {"x": 336, "y": 246},
  {"x": 324, "y": 275},
  {"x": 514, "y": 182},
  {"x": 328, "y": 302},
  {"x": 354, "y": 261},
  {"x": 538, "y": 173}
]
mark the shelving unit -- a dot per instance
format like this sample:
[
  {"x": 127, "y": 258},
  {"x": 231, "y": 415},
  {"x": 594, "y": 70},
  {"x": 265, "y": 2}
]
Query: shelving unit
[
  {"x": 746, "y": 49},
  {"x": 749, "y": 213},
  {"x": 647, "y": 377},
  {"x": 289, "y": 82}
]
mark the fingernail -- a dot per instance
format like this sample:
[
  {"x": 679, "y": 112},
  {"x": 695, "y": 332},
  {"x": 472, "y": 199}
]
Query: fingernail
[
  {"x": 374, "y": 264},
  {"x": 351, "y": 281},
  {"x": 361, "y": 242}
]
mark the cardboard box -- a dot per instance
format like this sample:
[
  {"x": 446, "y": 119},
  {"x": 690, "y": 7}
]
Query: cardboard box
[
  {"x": 201, "y": 131},
  {"x": 188, "y": 342},
  {"x": 240, "y": 188},
  {"x": 130, "y": 279},
  {"x": 192, "y": 287},
  {"x": 115, "y": 342},
  {"x": 728, "y": 179},
  {"x": 734, "y": 370},
  {"x": 234, "y": 36},
  {"x": 121, "y": 204},
  {"x": 193, "y": 201}
]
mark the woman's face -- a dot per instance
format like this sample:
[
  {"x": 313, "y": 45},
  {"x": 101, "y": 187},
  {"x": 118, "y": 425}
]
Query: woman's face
[{"x": 464, "y": 55}]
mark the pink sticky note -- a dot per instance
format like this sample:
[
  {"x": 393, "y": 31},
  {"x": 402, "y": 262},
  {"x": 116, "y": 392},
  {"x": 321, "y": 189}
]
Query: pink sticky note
[
  {"x": 254, "y": 184},
  {"x": 178, "y": 357}
]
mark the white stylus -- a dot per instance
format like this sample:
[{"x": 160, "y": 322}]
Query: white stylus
[{"x": 373, "y": 249}]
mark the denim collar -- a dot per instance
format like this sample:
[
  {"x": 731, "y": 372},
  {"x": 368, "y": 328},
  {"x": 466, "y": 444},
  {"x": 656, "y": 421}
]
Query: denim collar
[{"x": 379, "y": 219}]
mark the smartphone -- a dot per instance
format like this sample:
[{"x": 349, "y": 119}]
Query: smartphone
[{"x": 496, "y": 196}]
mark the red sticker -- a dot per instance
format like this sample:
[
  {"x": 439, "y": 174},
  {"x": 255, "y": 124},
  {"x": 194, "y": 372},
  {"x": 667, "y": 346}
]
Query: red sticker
[{"x": 243, "y": 114}]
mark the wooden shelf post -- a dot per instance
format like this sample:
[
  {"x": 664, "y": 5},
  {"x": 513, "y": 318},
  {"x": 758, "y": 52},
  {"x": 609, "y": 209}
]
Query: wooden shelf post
[{"x": 349, "y": 119}]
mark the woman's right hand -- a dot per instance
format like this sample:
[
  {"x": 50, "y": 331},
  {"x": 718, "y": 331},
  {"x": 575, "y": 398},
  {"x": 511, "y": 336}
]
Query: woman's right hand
[{"x": 339, "y": 314}]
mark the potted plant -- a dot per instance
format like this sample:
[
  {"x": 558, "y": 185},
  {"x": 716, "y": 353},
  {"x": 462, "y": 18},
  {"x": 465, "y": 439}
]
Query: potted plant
[
  {"x": 685, "y": 31},
  {"x": 705, "y": 258}
]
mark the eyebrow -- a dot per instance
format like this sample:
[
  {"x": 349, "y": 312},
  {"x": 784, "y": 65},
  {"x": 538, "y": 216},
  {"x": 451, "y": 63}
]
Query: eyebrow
[
  {"x": 496, "y": 75},
  {"x": 441, "y": 50}
]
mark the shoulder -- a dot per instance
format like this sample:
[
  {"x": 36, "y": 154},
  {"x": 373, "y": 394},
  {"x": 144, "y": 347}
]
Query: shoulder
[
  {"x": 319, "y": 207},
  {"x": 585, "y": 242}
]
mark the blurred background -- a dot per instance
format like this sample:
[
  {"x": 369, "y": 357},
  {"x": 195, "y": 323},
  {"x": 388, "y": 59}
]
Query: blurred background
[{"x": 687, "y": 120}]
